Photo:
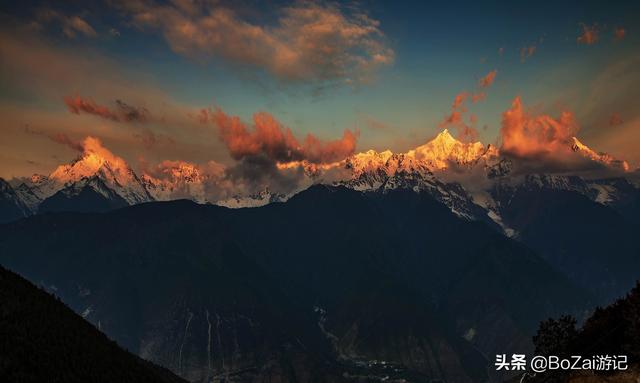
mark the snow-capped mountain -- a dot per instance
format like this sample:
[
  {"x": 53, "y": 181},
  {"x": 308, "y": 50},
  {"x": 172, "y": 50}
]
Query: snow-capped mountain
[
  {"x": 180, "y": 180},
  {"x": 105, "y": 176},
  {"x": 385, "y": 171},
  {"x": 445, "y": 151},
  {"x": 603, "y": 158},
  {"x": 262, "y": 198},
  {"x": 113, "y": 171},
  {"x": 35, "y": 189}
]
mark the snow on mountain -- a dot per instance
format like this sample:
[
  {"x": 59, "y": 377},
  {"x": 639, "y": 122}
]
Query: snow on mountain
[
  {"x": 179, "y": 180},
  {"x": 602, "y": 158},
  {"x": 35, "y": 189},
  {"x": 422, "y": 169},
  {"x": 262, "y": 198},
  {"x": 373, "y": 171},
  {"x": 444, "y": 150},
  {"x": 112, "y": 170}
]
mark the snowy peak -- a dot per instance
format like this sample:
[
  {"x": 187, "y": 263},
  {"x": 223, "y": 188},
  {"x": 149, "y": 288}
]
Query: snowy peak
[
  {"x": 112, "y": 170},
  {"x": 177, "y": 179},
  {"x": 436, "y": 155},
  {"x": 444, "y": 150},
  {"x": 603, "y": 158}
]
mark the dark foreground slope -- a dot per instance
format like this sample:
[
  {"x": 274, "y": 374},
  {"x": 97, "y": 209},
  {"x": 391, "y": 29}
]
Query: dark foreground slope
[
  {"x": 332, "y": 285},
  {"x": 42, "y": 340},
  {"x": 612, "y": 331}
]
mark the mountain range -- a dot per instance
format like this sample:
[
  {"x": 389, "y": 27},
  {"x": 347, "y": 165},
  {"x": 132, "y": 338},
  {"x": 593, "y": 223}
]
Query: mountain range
[
  {"x": 401, "y": 270},
  {"x": 98, "y": 180}
]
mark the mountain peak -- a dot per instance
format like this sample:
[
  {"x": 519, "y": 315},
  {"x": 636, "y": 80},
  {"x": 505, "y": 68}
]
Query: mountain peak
[
  {"x": 96, "y": 160},
  {"x": 444, "y": 150},
  {"x": 604, "y": 158},
  {"x": 445, "y": 136}
]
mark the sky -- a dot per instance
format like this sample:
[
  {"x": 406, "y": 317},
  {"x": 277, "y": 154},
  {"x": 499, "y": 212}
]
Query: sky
[{"x": 216, "y": 81}]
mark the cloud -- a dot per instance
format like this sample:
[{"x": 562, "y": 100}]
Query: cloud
[
  {"x": 524, "y": 134},
  {"x": 542, "y": 143},
  {"x": 59, "y": 138},
  {"x": 526, "y": 52},
  {"x": 93, "y": 146},
  {"x": 487, "y": 80},
  {"x": 122, "y": 112},
  {"x": 150, "y": 139},
  {"x": 374, "y": 124},
  {"x": 618, "y": 33},
  {"x": 275, "y": 141},
  {"x": 308, "y": 42},
  {"x": 79, "y": 105},
  {"x": 467, "y": 132},
  {"x": 71, "y": 25},
  {"x": 131, "y": 113},
  {"x": 615, "y": 119},
  {"x": 590, "y": 34}
]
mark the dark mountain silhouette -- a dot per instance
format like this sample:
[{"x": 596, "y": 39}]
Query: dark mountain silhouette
[
  {"x": 91, "y": 195},
  {"x": 333, "y": 283},
  {"x": 11, "y": 207},
  {"x": 42, "y": 340},
  {"x": 593, "y": 244}
]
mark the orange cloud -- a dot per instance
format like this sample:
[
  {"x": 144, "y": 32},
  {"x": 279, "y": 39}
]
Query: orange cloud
[
  {"x": 310, "y": 41},
  {"x": 59, "y": 138},
  {"x": 526, "y": 52},
  {"x": 270, "y": 138},
  {"x": 524, "y": 134},
  {"x": 466, "y": 133},
  {"x": 615, "y": 119},
  {"x": 77, "y": 105},
  {"x": 123, "y": 112},
  {"x": 487, "y": 80},
  {"x": 590, "y": 34},
  {"x": 477, "y": 97},
  {"x": 618, "y": 33}
]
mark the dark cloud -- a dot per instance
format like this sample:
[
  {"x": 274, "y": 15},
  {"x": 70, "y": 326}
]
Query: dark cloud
[{"x": 122, "y": 112}]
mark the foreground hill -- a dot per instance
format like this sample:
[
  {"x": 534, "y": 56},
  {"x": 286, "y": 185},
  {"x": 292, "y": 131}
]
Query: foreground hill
[
  {"x": 334, "y": 284},
  {"x": 42, "y": 340},
  {"x": 612, "y": 331}
]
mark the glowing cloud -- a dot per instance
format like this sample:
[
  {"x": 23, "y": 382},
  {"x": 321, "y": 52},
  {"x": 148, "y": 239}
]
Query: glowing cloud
[
  {"x": 487, "y": 80},
  {"x": 615, "y": 119},
  {"x": 619, "y": 33},
  {"x": 309, "y": 41},
  {"x": 59, "y": 138},
  {"x": 467, "y": 132},
  {"x": 275, "y": 141},
  {"x": 526, "y": 52},
  {"x": 123, "y": 112},
  {"x": 590, "y": 34},
  {"x": 79, "y": 105},
  {"x": 524, "y": 134}
]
